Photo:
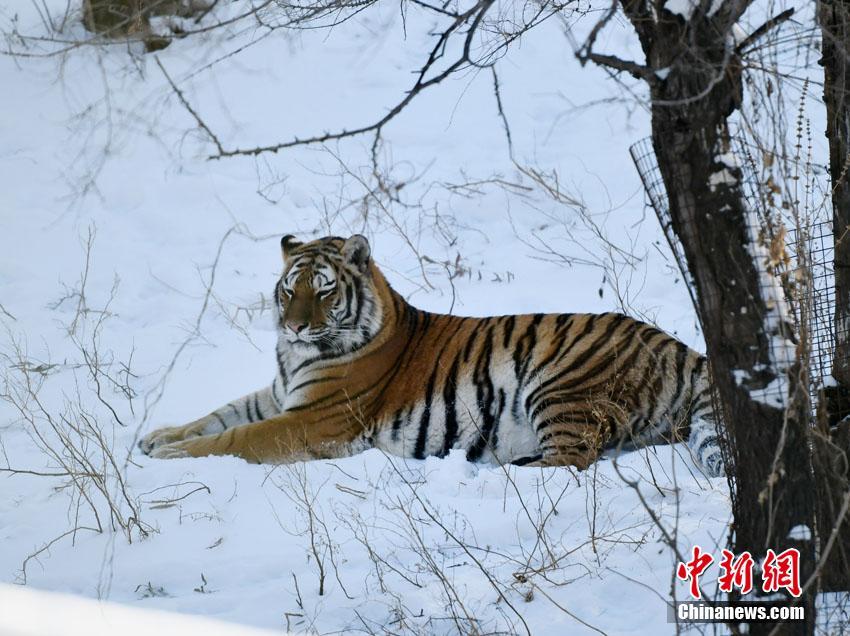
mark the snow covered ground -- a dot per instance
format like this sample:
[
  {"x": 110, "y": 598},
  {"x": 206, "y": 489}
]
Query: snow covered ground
[
  {"x": 38, "y": 613},
  {"x": 171, "y": 304}
]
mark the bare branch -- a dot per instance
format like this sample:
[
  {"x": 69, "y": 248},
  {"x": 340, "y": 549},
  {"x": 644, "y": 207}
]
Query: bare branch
[{"x": 201, "y": 124}]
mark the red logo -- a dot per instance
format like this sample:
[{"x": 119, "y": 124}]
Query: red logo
[
  {"x": 736, "y": 572},
  {"x": 779, "y": 571},
  {"x": 782, "y": 571},
  {"x": 692, "y": 570}
]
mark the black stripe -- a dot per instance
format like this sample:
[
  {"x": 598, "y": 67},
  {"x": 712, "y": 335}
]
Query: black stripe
[
  {"x": 317, "y": 380},
  {"x": 277, "y": 294},
  {"x": 349, "y": 295},
  {"x": 471, "y": 340},
  {"x": 517, "y": 357},
  {"x": 449, "y": 397},
  {"x": 660, "y": 371},
  {"x": 280, "y": 368},
  {"x": 525, "y": 345},
  {"x": 426, "y": 318},
  {"x": 551, "y": 357},
  {"x": 560, "y": 432},
  {"x": 424, "y": 421},
  {"x": 412, "y": 315},
  {"x": 484, "y": 394},
  {"x": 326, "y": 401},
  {"x": 592, "y": 350},
  {"x": 494, "y": 435},
  {"x": 681, "y": 357},
  {"x": 221, "y": 420},
  {"x": 522, "y": 461},
  {"x": 358, "y": 293},
  {"x": 558, "y": 419},
  {"x": 510, "y": 321},
  {"x": 260, "y": 415},
  {"x": 319, "y": 358},
  {"x": 701, "y": 403},
  {"x": 563, "y": 449},
  {"x": 398, "y": 307},
  {"x": 586, "y": 331},
  {"x": 275, "y": 394},
  {"x": 704, "y": 397},
  {"x": 711, "y": 440},
  {"x": 393, "y": 370},
  {"x": 396, "y": 426},
  {"x": 562, "y": 319},
  {"x": 544, "y": 402},
  {"x": 651, "y": 383}
]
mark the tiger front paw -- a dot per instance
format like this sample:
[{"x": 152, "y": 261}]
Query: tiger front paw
[
  {"x": 175, "y": 450},
  {"x": 161, "y": 437}
]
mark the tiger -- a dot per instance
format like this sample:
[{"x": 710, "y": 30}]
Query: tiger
[{"x": 359, "y": 367}]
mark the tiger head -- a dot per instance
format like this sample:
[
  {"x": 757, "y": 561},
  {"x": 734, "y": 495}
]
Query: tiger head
[{"x": 326, "y": 298}]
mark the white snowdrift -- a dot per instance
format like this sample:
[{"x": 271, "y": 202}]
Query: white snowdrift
[{"x": 28, "y": 612}]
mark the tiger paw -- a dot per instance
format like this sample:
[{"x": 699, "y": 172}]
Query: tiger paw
[
  {"x": 175, "y": 450},
  {"x": 161, "y": 437}
]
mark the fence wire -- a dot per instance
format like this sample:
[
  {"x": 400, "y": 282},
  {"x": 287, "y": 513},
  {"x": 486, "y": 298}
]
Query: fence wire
[{"x": 809, "y": 270}]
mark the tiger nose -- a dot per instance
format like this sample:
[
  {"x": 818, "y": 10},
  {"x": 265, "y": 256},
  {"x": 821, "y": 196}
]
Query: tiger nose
[{"x": 296, "y": 327}]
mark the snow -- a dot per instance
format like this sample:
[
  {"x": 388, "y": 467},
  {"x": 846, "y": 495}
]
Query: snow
[
  {"x": 248, "y": 537},
  {"x": 100, "y": 144},
  {"x": 728, "y": 159},
  {"x": 721, "y": 177},
  {"x": 774, "y": 393},
  {"x": 782, "y": 353},
  {"x": 800, "y": 533},
  {"x": 739, "y": 35},
  {"x": 684, "y": 8},
  {"x": 29, "y": 612}
]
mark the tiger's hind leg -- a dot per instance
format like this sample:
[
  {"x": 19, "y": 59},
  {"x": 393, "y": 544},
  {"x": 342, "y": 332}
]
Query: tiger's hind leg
[
  {"x": 574, "y": 435},
  {"x": 703, "y": 440},
  {"x": 705, "y": 447}
]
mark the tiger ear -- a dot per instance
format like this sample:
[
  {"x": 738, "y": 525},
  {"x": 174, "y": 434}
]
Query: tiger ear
[
  {"x": 356, "y": 252},
  {"x": 287, "y": 244}
]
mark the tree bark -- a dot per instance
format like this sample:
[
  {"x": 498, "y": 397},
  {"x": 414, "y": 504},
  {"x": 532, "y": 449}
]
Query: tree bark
[
  {"x": 834, "y": 18},
  {"x": 831, "y": 463},
  {"x": 692, "y": 98}
]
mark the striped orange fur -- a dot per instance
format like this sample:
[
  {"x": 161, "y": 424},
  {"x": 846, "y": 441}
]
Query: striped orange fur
[{"x": 359, "y": 367}]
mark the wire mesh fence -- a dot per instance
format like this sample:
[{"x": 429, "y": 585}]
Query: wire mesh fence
[
  {"x": 643, "y": 156},
  {"x": 807, "y": 271},
  {"x": 811, "y": 251},
  {"x": 809, "y": 268}
]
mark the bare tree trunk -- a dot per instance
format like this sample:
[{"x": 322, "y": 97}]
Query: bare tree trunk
[
  {"x": 834, "y": 18},
  {"x": 831, "y": 464},
  {"x": 695, "y": 85},
  {"x": 768, "y": 445}
]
